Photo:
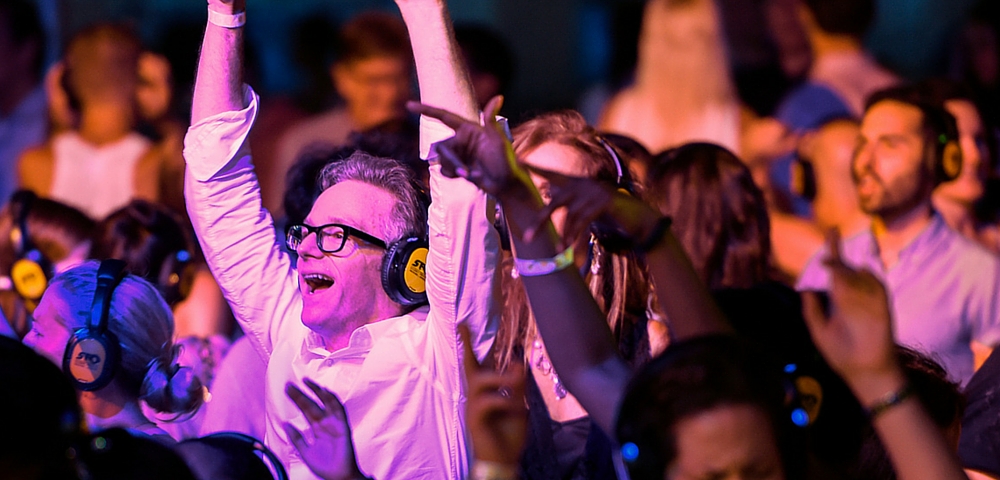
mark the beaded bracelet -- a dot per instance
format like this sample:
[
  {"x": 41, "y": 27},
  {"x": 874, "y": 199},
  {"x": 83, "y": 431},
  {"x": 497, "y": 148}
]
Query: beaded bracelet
[
  {"x": 227, "y": 21},
  {"x": 544, "y": 266},
  {"x": 888, "y": 401}
]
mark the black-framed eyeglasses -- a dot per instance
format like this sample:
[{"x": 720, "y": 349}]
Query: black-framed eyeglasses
[{"x": 330, "y": 238}]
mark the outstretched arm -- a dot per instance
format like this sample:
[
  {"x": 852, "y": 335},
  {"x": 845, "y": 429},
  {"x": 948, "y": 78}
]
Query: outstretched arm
[
  {"x": 855, "y": 337},
  {"x": 222, "y": 193},
  {"x": 463, "y": 244},
  {"x": 585, "y": 353},
  {"x": 441, "y": 74},
  {"x": 218, "y": 86}
]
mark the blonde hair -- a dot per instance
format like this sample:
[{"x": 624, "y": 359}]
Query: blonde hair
[{"x": 144, "y": 325}]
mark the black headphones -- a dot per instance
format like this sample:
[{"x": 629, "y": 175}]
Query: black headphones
[
  {"x": 176, "y": 276},
  {"x": 404, "y": 271},
  {"x": 31, "y": 271},
  {"x": 257, "y": 446},
  {"x": 404, "y": 264},
  {"x": 946, "y": 156},
  {"x": 92, "y": 354}
]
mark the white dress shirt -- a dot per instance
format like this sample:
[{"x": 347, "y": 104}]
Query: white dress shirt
[{"x": 400, "y": 379}]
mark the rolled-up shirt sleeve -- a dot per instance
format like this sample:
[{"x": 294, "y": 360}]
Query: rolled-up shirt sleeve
[{"x": 234, "y": 229}]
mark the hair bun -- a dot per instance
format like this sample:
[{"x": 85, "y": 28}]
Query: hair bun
[{"x": 171, "y": 388}]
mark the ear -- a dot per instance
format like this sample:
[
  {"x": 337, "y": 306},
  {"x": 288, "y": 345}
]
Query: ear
[{"x": 951, "y": 160}]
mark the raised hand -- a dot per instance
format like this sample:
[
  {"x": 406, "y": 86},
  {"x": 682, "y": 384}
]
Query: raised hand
[
  {"x": 479, "y": 153},
  {"x": 588, "y": 200},
  {"x": 495, "y": 413},
  {"x": 331, "y": 452},
  {"x": 855, "y": 333}
]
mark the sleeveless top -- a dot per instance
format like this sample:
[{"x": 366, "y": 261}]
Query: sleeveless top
[{"x": 95, "y": 179}]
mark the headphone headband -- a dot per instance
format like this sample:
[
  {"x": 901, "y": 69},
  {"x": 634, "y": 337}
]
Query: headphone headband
[
  {"x": 256, "y": 445},
  {"x": 21, "y": 202},
  {"x": 615, "y": 158},
  {"x": 92, "y": 354},
  {"x": 109, "y": 275}
]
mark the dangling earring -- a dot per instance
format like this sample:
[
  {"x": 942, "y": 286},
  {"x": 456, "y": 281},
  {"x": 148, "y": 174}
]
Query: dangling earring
[{"x": 595, "y": 255}]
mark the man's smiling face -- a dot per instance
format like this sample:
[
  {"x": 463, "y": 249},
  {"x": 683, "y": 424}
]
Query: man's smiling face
[{"x": 342, "y": 291}]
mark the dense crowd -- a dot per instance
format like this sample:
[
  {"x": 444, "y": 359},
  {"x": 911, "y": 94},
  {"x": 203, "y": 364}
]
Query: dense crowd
[{"x": 686, "y": 289}]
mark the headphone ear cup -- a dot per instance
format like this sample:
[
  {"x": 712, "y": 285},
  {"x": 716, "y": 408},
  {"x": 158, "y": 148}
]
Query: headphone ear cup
[
  {"x": 949, "y": 165},
  {"x": 404, "y": 271},
  {"x": 91, "y": 359},
  {"x": 176, "y": 277},
  {"x": 30, "y": 275},
  {"x": 500, "y": 224}
]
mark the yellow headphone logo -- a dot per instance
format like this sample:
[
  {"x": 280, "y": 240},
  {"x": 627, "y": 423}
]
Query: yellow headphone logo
[{"x": 415, "y": 274}]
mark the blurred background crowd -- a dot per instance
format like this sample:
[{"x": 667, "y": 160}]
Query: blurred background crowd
[{"x": 95, "y": 100}]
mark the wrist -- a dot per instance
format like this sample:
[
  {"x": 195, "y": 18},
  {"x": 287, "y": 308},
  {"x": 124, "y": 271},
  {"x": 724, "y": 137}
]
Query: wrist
[
  {"x": 485, "y": 470},
  {"x": 888, "y": 401},
  {"x": 872, "y": 387}
]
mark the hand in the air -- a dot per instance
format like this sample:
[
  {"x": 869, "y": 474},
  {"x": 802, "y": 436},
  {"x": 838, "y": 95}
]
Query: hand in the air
[
  {"x": 330, "y": 453},
  {"x": 588, "y": 200},
  {"x": 855, "y": 334},
  {"x": 479, "y": 153}
]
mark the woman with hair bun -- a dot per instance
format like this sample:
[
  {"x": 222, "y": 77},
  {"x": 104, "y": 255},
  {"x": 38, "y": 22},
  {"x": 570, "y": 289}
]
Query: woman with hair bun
[{"x": 141, "y": 323}]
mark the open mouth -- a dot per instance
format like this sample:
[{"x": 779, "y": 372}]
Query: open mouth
[{"x": 317, "y": 282}]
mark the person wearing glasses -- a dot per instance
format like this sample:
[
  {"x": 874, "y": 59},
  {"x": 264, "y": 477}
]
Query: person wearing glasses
[{"x": 397, "y": 369}]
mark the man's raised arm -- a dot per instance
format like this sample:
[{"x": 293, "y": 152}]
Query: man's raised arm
[
  {"x": 221, "y": 190},
  {"x": 441, "y": 74},
  {"x": 218, "y": 87},
  {"x": 463, "y": 244}
]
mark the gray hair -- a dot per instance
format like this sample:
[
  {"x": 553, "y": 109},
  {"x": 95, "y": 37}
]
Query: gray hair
[{"x": 409, "y": 215}]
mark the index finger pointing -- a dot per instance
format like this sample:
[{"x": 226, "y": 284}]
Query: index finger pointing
[
  {"x": 468, "y": 356},
  {"x": 452, "y": 120}
]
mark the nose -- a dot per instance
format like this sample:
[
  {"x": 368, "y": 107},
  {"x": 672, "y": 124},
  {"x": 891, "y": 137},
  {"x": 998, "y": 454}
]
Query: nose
[
  {"x": 310, "y": 246},
  {"x": 864, "y": 157}
]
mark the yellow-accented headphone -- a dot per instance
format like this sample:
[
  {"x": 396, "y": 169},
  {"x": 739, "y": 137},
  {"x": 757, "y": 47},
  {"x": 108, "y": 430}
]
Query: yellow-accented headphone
[{"x": 31, "y": 271}]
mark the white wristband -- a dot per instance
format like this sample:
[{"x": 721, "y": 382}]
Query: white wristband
[
  {"x": 544, "y": 266},
  {"x": 227, "y": 21}
]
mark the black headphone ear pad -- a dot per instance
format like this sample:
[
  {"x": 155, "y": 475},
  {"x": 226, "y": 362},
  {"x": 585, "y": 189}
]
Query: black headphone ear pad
[
  {"x": 404, "y": 271},
  {"x": 91, "y": 358}
]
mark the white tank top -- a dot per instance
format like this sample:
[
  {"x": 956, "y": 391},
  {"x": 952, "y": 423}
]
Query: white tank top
[{"x": 96, "y": 180}]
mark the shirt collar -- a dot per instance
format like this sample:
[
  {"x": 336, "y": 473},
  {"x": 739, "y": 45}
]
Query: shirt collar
[
  {"x": 920, "y": 246},
  {"x": 362, "y": 339}
]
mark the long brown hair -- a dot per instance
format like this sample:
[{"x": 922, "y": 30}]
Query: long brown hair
[
  {"x": 718, "y": 213},
  {"x": 617, "y": 280}
]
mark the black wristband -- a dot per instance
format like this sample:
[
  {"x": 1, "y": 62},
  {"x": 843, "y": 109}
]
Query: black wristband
[
  {"x": 654, "y": 236},
  {"x": 888, "y": 401}
]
